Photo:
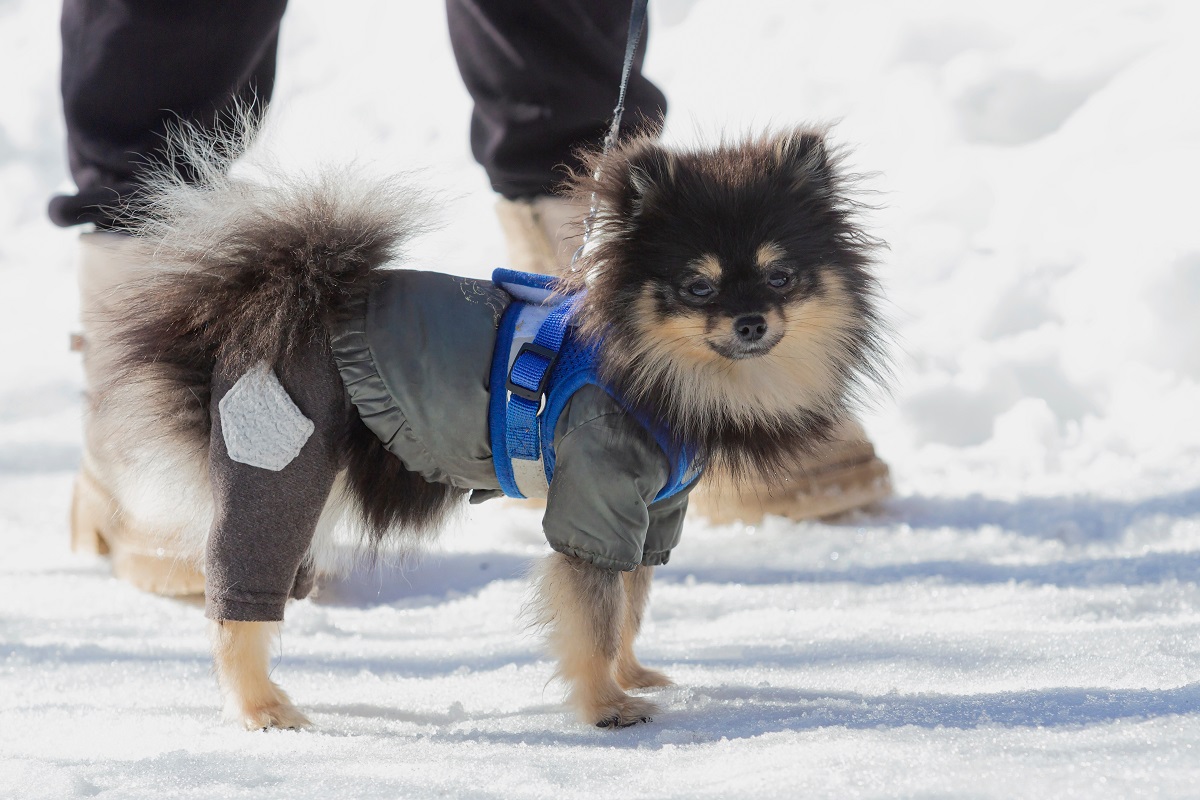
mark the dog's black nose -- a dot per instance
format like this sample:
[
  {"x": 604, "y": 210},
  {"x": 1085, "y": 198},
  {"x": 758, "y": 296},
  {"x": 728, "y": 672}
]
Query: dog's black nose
[{"x": 750, "y": 327}]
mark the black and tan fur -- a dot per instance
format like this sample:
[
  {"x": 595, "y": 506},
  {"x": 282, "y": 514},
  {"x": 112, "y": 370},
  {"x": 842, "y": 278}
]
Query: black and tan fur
[
  {"x": 750, "y": 373},
  {"x": 775, "y": 207}
]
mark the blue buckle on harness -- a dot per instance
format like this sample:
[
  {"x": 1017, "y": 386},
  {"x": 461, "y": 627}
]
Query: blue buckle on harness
[{"x": 529, "y": 370}]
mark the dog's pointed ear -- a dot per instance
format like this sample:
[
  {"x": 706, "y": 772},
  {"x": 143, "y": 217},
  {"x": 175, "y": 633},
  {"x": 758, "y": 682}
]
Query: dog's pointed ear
[
  {"x": 804, "y": 159},
  {"x": 648, "y": 171}
]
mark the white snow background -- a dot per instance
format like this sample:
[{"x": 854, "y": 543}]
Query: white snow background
[{"x": 1023, "y": 619}]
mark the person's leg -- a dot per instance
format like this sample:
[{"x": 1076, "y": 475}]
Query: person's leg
[
  {"x": 544, "y": 76},
  {"x": 132, "y": 68}
]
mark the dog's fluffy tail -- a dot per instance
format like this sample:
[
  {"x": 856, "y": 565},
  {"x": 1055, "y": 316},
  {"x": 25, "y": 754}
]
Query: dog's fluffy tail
[{"x": 242, "y": 269}]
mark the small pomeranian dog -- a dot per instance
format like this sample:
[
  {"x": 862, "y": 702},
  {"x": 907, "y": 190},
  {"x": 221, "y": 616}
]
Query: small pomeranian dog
[{"x": 277, "y": 382}]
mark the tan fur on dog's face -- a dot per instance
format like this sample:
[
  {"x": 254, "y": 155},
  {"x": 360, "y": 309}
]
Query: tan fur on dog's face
[{"x": 803, "y": 366}]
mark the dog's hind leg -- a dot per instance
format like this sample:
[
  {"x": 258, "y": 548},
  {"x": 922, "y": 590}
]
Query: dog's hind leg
[
  {"x": 630, "y": 672},
  {"x": 242, "y": 654},
  {"x": 270, "y": 486},
  {"x": 584, "y": 609}
]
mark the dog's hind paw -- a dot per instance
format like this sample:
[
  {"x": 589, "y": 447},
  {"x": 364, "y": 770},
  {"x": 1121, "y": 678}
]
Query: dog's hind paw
[{"x": 624, "y": 712}]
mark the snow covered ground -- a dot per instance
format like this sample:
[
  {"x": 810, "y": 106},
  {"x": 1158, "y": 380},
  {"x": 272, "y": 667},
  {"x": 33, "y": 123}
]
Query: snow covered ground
[{"x": 1022, "y": 620}]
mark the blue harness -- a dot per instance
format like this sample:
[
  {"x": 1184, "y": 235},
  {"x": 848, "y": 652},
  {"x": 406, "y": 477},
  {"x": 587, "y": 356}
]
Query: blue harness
[{"x": 541, "y": 364}]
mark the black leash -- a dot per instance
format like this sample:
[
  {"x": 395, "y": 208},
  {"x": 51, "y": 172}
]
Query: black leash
[{"x": 637, "y": 24}]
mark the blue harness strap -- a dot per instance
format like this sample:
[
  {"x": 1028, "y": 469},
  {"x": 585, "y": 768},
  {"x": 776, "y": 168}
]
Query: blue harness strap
[
  {"x": 528, "y": 381},
  {"x": 539, "y": 381},
  {"x": 519, "y": 380}
]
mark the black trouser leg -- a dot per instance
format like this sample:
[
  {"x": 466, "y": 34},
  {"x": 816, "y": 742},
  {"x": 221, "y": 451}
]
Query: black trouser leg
[
  {"x": 132, "y": 67},
  {"x": 544, "y": 75}
]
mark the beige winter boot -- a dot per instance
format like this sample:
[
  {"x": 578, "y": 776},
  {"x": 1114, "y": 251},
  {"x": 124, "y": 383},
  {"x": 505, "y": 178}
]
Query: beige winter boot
[
  {"x": 543, "y": 234},
  {"x": 98, "y": 524},
  {"x": 844, "y": 476}
]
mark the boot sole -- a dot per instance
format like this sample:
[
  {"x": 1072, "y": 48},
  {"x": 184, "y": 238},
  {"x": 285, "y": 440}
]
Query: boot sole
[
  {"x": 98, "y": 529},
  {"x": 832, "y": 492}
]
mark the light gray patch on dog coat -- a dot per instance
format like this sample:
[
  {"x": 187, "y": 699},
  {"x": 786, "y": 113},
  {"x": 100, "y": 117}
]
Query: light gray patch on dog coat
[{"x": 261, "y": 425}]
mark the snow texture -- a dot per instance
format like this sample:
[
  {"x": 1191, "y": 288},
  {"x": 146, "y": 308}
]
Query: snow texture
[
  {"x": 1023, "y": 619},
  {"x": 260, "y": 424}
]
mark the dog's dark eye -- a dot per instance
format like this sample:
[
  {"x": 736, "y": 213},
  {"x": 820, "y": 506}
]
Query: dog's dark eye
[
  {"x": 700, "y": 288},
  {"x": 779, "y": 278}
]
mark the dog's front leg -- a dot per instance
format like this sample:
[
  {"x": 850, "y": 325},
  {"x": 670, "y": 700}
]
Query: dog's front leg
[
  {"x": 584, "y": 609},
  {"x": 630, "y": 672},
  {"x": 242, "y": 654}
]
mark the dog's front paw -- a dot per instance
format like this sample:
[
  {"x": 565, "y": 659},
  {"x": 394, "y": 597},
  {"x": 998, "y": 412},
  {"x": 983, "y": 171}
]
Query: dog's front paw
[
  {"x": 622, "y": 712},
  {"x": 285, "y": 716},
  {"x": 277, "y": 712},
  {"x": 639, "y": 677}
]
